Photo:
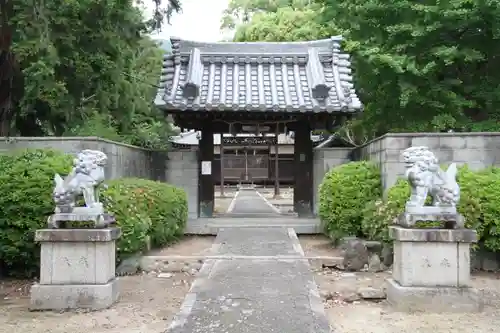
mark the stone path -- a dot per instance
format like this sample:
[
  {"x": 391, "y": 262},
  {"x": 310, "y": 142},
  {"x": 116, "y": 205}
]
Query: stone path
[
  {"x": 269, "y": 288},
  {"x": 248, "y": 203}
]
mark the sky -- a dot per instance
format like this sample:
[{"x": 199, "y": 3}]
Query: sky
[{"x": 198, "y": 21}]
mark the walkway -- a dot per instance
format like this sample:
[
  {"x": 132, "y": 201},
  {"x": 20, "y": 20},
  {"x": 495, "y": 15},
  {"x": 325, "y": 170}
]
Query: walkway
[
  {"x": 250, "y": 203},
  {"x": 267, "y": 288}
]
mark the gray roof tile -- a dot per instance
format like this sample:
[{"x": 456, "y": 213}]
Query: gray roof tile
[{"x": 288, "y": 76}]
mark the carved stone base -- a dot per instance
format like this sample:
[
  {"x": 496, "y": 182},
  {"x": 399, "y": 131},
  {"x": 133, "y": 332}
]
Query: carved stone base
[
  {"x": 82, "y": 214},
  {"x": 74, "y": 296},
  {"x": 77, "y": 269},
  {"x": 431, "y": 210},
  {"x": 448, "y": 215},
  {"x": 431, "y": 270},
  {"x": 432, "y": 257},
  {"x": 433, "y": 299}
]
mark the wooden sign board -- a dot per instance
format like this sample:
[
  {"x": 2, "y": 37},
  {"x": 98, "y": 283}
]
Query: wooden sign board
[{"x": 248, "y": 141}]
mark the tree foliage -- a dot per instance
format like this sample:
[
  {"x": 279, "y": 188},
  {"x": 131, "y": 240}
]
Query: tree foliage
[
  {"x": 241, "y": 11},
  {"x": 419, "y": 66},
  {"x": 284, "y": 24},
  {"x": 83, "y": 68},
  {"x": 423, "y": 66}
]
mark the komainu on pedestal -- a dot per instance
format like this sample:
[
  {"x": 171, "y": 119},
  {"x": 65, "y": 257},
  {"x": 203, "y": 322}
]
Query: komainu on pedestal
[
  {"x": 83, "y": 180},
  {"x": 426, "y": 178},
  {"x": 77, "y": 263},
  {"x": 431, "y": 270}
]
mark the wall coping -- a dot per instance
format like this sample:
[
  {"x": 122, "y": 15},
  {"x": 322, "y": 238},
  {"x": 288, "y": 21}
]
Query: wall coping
[
  {"x": 431, "y": 134},
  {"x": 14, "y": 139}
]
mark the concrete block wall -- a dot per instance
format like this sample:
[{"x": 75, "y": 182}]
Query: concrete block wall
[
  {"x": 477, "y": 150},
  {"x": 123, "y": 160},
  {"x": 179, "y": 168},
  {"x": 323, "y": 160},
  {"x": 183, "y": 172}
]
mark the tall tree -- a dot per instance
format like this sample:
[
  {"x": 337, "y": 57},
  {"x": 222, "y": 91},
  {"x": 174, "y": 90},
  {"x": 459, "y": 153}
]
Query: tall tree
[
  {"x": 63, "y": 62},
  {"x": 241, "y": 11},
  {"x": 284, "y": 24},
  {"x": 423, "y": 66}
]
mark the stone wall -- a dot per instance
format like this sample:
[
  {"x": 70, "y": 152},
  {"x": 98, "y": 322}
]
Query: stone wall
[
  {"x": 179, "y": 168},
  {"x": 477, "y": 150},
  {"x": 123, "y": 160},
  {"x": 183, "y": 172},
  {"x": 324, "y": 159}
]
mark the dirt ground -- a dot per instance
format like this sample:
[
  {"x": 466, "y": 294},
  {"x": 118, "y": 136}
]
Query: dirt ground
[
  {"x": 371, "y": 317},
  {"x": 318, "y": 245},
  {"x": 189, "y": 246},
  {"x": 147, "y": 304},
  {"x": 348, "y": 314}
]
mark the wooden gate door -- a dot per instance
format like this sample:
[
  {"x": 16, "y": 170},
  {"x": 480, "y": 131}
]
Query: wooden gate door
[{"x": 246, "y": 167}]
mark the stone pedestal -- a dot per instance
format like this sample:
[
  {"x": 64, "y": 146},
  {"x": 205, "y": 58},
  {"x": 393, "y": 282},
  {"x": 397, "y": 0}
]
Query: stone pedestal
[
  {"x": 77, "y": 269},
  {"x": 431, "y": 270}
]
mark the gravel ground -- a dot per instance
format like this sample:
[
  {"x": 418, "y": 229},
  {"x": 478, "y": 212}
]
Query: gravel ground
[
  {"x": 378, "y": 318},
  {"x": 149, "y": 301},
  {"x": 147, "y": 304},
  {"x": 349, "y": 313},
  {"x": 188, "y": 246},
  {"x": 361, "y": 316},
  {"x": 318, "y": 245}
]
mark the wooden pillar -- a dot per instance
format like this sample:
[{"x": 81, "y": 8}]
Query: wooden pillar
[
  {"x": 222, "y": 165},
  {"x": 206, "y": 181},
  {"x": 303, "y": 168},
  {"x": 276, "y": 166}
]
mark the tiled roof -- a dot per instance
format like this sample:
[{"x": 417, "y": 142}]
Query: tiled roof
[
  {"x": 288, "y": 76},
  {"x": 193, "y": 137}
]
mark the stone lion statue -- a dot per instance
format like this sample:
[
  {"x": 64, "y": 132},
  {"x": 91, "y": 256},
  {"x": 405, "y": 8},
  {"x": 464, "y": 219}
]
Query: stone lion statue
[
  {"x": 87, "y": 174},
  {"x": 427, "y": 178}
]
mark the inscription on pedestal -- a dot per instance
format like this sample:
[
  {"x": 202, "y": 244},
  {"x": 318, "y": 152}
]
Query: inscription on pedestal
[{"x": 77, "y": 269}]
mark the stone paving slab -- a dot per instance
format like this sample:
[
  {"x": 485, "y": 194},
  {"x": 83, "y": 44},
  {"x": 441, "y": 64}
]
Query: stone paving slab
[
  {"x": 253, "y": 295},
  {"x": 250, "y": 202},
  {"x": 210, "y": 226},
  {"x": 254, "y": 242}
]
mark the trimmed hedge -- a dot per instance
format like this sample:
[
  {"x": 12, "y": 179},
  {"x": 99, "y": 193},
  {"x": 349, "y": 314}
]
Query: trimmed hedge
[
  {"x": 145, "y": 210},
  {"x": 479, "y": 203},
  {"x": 26, "y": 183},
  {"x": 344, "y": 192}
]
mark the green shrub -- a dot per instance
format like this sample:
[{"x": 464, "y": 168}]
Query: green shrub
[
  {"x": 479, "y": 204},
  {"x": 377, "y": 216},
  {"x": 123, "y": 201},
  {"x": 26, "y": 183},
  {"x": 161, "y": 206},
  {"x": 144, "y": 209},
  {"x": 343, "y": 194}
]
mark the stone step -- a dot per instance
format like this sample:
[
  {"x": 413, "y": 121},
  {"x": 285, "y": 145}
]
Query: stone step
[
  {"x": 210, "y": 226},
  {"x": 173, "y": 263},
  {"x": 213, "y": 228}
]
